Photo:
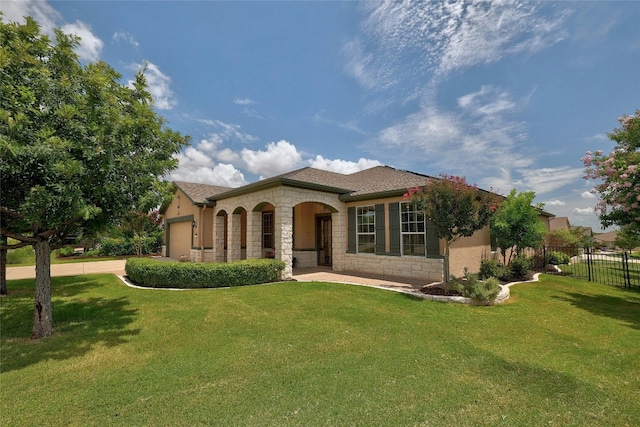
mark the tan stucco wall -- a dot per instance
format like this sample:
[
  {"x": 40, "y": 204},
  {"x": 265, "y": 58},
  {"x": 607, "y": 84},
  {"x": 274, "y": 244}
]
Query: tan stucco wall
[
  {"x": 305, "y": 225},
  {"x": 180, "y": 208},
  {"x": 468, "y": 252}
]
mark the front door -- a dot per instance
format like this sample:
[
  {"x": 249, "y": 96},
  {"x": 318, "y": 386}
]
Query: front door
[{"x": 323, "y": 237}]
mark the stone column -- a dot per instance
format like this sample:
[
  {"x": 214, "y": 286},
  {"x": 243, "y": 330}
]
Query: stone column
[
  {"x": 218, "y": 238},
  {"x": 284, "y": 238},
  {"x": 234, "y": 250},
  {"x": 254, "y": 234}
]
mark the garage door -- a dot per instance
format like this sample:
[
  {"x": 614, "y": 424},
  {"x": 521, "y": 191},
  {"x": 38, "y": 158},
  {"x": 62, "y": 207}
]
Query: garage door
[{"x": 179, "y": 239}]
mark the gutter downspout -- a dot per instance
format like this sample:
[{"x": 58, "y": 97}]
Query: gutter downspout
[{"x": 201, "y": 242}]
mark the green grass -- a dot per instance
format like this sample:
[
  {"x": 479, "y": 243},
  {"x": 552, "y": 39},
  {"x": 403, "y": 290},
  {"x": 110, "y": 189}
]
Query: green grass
[{"x": 560, "y": 352}]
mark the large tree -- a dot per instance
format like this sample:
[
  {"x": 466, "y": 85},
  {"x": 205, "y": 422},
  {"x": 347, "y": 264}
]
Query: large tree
[
  {"x": 516, "y": 224},
  {"x": 78, "y": 148},
  {"x": 620, "y": 174},
  {"x": 456, "y": 209}
]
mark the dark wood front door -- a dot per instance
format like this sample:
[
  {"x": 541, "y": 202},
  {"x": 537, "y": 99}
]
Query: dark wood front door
[{"x": 323, "y": 237}]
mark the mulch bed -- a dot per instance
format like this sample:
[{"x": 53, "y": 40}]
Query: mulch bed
[{"x": 438, "y": 289}]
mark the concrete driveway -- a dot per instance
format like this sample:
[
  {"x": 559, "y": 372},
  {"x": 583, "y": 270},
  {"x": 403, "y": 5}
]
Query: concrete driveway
[
  {"x": 71, "y": 269},
  {"x": 299, "y": 274}
]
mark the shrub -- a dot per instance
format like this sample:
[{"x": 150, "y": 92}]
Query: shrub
[
  {"x": 471, "y": 287},
  {"x": 173, "y": 274},
  {"x": 23, "y": 255},
  {"x": 521, "y": 265},
  {"x": 492, "y": 268},
  {"x": 65, "y": 251},
  {"x": 557, "y": 258},
  {"x": 91, "y": 253}
]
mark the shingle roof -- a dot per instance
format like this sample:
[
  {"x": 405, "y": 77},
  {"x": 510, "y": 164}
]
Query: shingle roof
[
  {"x": 198, "y": 193},
  {"x": 384, "y": 179}
]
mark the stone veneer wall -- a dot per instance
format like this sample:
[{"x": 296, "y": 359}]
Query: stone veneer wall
[
  {"x": 429, "y": 269},
  {"x": 305, "y": 259}
]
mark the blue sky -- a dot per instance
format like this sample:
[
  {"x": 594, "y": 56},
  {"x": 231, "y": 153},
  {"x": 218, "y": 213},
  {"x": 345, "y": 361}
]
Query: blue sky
[{"x": 509, "y": 94}]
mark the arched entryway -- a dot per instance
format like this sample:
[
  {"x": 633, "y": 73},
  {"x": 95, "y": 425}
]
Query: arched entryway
[{"x": 313, "y": 234}]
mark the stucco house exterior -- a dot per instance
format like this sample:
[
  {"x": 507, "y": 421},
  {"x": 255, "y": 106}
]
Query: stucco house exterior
[{"x": 309, "y": 217}]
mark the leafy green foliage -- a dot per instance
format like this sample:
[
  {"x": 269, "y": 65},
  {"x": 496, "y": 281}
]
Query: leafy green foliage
[
  {"x": 78, "y": 148},
  {"x": 456, "y": 209},
  {"x": 492, "y": 268},
  {"x": 572, "y": 237},
  {"x": 558, "y": 258},
  {"x": 516, "y": 225},
  {"x": 172, "y": 274},
  {"x": 472, "y": 287},
  {"x": 66, "y": 251},
  {"x": 628, "y": 238},
  {"x": 22, "y": 255},
  {"x": 521, "y": 265}
]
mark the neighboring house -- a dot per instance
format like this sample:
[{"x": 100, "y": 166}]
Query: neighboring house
[
  {"x": 606, "y": 240},
  {"x": 310, "y": 217},
  {"x": 559, "y": 223}
]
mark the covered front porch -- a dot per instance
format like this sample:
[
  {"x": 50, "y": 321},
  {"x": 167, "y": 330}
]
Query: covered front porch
[{"x": 301, "y": 228}]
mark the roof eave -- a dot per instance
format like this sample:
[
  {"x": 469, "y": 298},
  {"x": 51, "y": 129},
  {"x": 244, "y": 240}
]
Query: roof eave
[{"x": 277, "y": 182}]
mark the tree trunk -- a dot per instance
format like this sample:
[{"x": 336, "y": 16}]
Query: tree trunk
[
  {"x": 42, "y": 313},
  {"x": 3, "y": 271},
  {"x": 446, "y": 266}
]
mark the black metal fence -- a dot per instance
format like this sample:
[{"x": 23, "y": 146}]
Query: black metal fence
[{"x": 609, "y": 268}]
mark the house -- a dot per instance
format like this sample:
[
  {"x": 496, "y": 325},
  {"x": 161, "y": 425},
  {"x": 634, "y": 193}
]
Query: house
[
  {"x": 606, "y": 240},
  {"x": 310, "y": 217}
]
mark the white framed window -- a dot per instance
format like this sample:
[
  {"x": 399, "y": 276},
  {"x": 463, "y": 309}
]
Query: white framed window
[
  {"x": 366, "y": 229},
  {"x": 412, "y": 231}
]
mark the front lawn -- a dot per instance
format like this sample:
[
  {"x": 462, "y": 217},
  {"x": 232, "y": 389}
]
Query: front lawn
[{"x": 561, "y": 352}]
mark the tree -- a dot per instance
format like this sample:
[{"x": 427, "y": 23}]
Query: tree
[
  {"x": 456, "y": 209},
  {"x": 78, "y": 149},
  {"x": 573, "y": 237},
  {"x": 516, "y": 226},
  {"x": 628, "y": 238},
  {"x": 620, "y": 174}
]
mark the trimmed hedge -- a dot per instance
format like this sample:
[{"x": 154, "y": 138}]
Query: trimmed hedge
[{"x": 173, "y": 274}]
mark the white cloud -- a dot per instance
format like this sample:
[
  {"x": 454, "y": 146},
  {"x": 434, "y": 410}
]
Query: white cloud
[
  {"x": 279, "y": 157},
  {"x": 555, "y": 203},
  {"x": 583, "y": 211},
  {"x": 588, "y": 195},
  {"x": 447, "y": 37},
  {"x": 158, "y": 85},
  {"x": 45, "y": 15},
  {"x": 342, "y": 166},
  {"x": 544, "y": 180},
  {"x": 48, "y": 18},
  {"x": 90, "y": 46},
  {"x": 123, "y": 36},
  {"x": 487, "y": 101},
  {"x": 244, "y": 101},
  {"x": 195, "y": 165}
]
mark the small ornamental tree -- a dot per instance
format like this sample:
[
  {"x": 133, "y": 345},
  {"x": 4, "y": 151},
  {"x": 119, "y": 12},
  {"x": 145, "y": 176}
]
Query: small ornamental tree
[
  {"x": 78, "y": 149},
  {"x": 620, "y": 174},
  {"x": 456, "y": 209},
  {"x": 628, "y": 238},
  {"x": 516, "y": 226}
]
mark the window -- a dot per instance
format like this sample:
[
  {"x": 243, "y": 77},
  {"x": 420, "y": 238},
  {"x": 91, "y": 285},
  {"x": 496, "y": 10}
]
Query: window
[
  {"x": 365, "y": 229},
  {"x": 412, "y": 231},
  {"x": 267, "y": 230}
]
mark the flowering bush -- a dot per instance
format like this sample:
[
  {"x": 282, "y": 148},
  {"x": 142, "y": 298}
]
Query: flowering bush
[{"x": 620, "y": 188}]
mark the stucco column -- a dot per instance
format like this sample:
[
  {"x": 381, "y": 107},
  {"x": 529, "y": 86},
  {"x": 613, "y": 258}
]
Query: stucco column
[
  {"x": 234, "y": 250},
  {"x": 284, "y": 239},
  {"x": 218, "y": 238},
  {"x": 254, "y": 234}
]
